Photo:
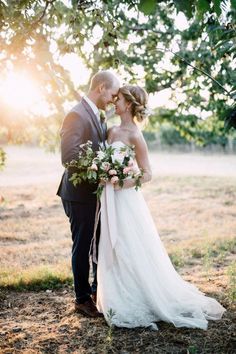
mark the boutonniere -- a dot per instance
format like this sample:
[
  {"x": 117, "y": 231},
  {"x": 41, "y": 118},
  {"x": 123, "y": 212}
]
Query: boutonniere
[{"x": 102, "y": 117}]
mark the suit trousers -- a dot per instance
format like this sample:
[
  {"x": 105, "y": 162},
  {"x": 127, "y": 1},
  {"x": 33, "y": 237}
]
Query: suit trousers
[{"x": 82, "y": 218}]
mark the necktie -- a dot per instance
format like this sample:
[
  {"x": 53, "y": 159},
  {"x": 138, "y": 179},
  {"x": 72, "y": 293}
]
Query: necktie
[{"x": 102, "y": 121}]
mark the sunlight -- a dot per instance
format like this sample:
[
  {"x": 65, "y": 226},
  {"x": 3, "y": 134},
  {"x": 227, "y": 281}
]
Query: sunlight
[
  {"x": 78, "y": 71},
  {"x": 181, "y": 21},
  {"x": 19, "y": 91}
]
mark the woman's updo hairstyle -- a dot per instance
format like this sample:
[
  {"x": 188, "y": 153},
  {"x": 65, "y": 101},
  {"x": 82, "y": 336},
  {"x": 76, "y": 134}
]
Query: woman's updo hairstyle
[{"x": 138, "y": 98}]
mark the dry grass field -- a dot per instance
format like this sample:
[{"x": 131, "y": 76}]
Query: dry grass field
[{"x": 192, "y": 200}]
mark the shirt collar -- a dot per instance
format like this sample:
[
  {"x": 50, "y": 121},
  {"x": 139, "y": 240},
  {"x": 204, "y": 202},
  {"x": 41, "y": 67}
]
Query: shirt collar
[{"x": 93, "y": 106}]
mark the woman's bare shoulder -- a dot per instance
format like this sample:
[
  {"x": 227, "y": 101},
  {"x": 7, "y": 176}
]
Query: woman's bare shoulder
[
  {"x": 136, "y": 137},
  {"x": 112, "y": 129},
  {"x": 112, "y": 132}
]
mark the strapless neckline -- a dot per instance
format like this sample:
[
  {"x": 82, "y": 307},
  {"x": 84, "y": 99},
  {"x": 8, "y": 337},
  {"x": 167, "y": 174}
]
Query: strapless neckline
[{"x": 117, "y": 142}]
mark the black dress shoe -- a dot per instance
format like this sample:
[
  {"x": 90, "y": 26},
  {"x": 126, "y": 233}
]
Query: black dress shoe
[
  {"x": 94, "y": 297},
  {"x": 88, "y": 309}
]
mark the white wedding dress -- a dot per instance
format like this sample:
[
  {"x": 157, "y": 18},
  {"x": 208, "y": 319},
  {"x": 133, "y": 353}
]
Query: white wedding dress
[{"x": 136, "y": 279}]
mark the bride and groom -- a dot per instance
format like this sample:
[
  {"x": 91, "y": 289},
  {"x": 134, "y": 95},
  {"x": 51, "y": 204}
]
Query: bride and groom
[{"x": 134, "y": 279}]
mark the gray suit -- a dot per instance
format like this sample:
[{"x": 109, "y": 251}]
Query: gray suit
[{"x": 79, "y": 126}]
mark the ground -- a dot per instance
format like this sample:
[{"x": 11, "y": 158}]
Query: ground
[{"x": 192, "y": 200}]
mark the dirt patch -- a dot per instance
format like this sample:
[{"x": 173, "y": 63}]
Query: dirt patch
[{"x": 45, "y": 322}]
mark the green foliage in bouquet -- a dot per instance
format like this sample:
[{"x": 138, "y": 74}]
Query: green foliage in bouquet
[
  {"x": 105, "y": 165},
  {"x": 83, "y": 165}
]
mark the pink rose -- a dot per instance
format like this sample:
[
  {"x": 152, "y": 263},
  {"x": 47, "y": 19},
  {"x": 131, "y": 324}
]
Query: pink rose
[
  {"x": 112, "y": 172},
  {"x": 94, "y": 167},
  {"x": 135, "y": 170},
  {"x": 126, "y": 170},
  {"x": 114, "y": 179},
  {"x": 131, "y": 163}
]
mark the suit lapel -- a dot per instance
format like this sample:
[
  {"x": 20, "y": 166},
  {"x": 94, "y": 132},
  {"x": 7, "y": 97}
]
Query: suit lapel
[{"x": 94, "y": 118}]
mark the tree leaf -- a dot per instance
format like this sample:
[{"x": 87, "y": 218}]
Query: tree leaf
[
  {"x": 74, "y": 3},
  {"x": 130, "y": 44},
  {"x": 202, "y": 7},
  {"x": 233, "y": 4},
  {"x": 185, "y": 6},
  {"x": 230, "y": 118},
  {"x": 217, "y": 7},
  {"x": 148, "y": 7}
]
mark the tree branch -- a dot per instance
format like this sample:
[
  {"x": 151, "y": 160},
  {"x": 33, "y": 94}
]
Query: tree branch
[
  {"x": 197, "y": 69},
  {"x": 47, "y": 3},
  {"x": 142, "y": 28}
]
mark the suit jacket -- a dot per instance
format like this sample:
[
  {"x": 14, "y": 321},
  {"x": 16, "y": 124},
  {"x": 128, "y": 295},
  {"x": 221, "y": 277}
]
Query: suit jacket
[{"x": 79, "y": 126}]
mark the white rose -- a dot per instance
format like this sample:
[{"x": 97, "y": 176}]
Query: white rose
[
  {"x": 101, "y": 155},
  {"x": 117, "y": 156},
  {"x": 105, "y": 166}
]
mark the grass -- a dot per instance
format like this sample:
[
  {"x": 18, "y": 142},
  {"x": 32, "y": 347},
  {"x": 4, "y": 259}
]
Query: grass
[
  {"x": 208, "y": 254},
  {"x": 110, "y": 315},
  {"x": 177, "y": 258},
  {"x": 36, "y": 243},
  {"x": 191, "y": 349},
  {"x": 195, "y": 217},
  {"x": 232, "y": 282},
  {"x": 34, "y": 279}
]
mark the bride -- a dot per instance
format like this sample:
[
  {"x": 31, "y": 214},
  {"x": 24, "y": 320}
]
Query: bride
[{"x": 137, "y": 283}]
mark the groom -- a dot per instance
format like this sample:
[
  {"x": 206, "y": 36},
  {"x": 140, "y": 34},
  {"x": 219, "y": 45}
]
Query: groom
[{"x": 81, "y": 124}]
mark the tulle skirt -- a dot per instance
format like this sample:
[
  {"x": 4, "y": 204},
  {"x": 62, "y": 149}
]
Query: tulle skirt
[{"x": 137, "y": 283}]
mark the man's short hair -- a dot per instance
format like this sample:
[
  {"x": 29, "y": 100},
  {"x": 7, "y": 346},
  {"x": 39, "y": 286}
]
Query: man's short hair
[{"x": 102, "y": 77}]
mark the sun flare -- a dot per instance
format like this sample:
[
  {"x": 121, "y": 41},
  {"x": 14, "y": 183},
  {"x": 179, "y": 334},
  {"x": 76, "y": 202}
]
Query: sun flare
[{"x": 19, "y": 91}]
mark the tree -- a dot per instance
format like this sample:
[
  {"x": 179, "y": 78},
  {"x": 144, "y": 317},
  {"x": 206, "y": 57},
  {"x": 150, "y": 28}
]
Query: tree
[
  {"x": 2, "y": 158},
  {"x": 138, "y": 37}
]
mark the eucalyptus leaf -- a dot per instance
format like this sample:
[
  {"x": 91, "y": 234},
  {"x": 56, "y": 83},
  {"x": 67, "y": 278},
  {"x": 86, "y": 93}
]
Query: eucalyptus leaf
[{"x": 148, "y": 7}]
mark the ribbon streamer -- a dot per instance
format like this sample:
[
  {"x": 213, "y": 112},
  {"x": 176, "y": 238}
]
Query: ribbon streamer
[{"x": 109, "y": 233}]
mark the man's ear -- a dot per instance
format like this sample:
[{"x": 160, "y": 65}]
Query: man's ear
[{"x": 101, "y": 87}]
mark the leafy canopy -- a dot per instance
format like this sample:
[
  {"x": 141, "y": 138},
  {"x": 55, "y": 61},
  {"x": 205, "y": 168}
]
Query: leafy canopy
[{"x": 140, "y": 39}]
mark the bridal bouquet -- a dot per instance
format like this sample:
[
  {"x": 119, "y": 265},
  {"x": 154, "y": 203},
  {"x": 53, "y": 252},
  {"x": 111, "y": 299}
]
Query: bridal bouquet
[{"x": 106, "y": 164}]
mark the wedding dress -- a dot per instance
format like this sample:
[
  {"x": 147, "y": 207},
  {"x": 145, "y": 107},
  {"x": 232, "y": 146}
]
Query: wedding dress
[{"x": 137, "y": 283}]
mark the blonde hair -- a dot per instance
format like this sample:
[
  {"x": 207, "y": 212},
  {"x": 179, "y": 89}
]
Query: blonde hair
[{"x": 138, "y": 98}]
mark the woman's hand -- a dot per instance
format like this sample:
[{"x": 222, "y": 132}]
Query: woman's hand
[
  {"x": 117, "y": 187},
  {"x": 103, "y": 182},
  {"x": 128, "y": 183}
]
